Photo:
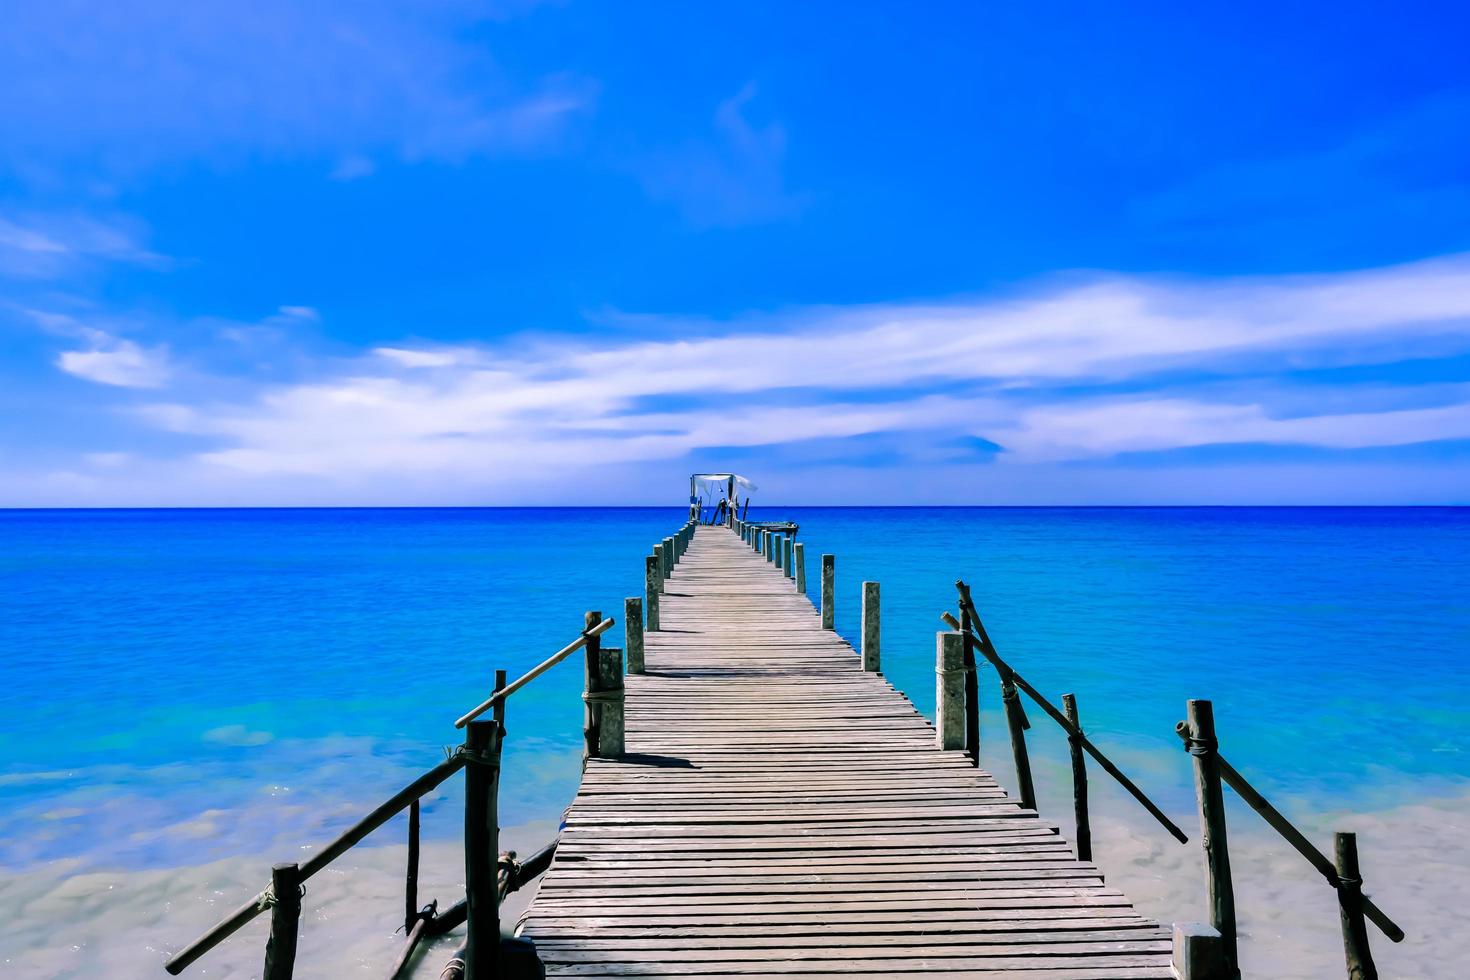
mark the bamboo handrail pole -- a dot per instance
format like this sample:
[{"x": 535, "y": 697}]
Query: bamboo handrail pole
[
  {"x": 989, "y": 654},
  {"x": 1296, "y": 839},
  {"x": 379, "y": 816},
  {"x": 534, "y": 672}
]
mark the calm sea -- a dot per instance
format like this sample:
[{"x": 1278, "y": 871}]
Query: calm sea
[{"x": 178, "y": 686}]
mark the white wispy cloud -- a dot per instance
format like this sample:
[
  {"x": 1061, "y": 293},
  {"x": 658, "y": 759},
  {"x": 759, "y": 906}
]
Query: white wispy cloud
[
  {"x": 730, "y": 177},
  {"x": 130, "y": 85},
  {"x": 122, "y": 363},
  {"x": 1005, "y": 371},
  {"x": 51, "y": 245}
]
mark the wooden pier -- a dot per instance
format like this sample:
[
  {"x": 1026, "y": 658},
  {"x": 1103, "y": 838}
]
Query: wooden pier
[
  {"x": 780, "y": 810},
  {"x": 758, "y": 801}
]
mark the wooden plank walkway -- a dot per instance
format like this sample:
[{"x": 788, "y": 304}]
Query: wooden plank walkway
[{"x": 782, "y": 812}]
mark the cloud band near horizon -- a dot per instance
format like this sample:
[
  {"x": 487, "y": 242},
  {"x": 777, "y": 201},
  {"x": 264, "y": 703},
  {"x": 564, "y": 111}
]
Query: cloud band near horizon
[{"x": 1115, "y": 389}]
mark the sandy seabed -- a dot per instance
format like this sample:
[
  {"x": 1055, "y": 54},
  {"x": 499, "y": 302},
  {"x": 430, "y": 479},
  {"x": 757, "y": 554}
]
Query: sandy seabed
[{"x": 55, "y": 923}]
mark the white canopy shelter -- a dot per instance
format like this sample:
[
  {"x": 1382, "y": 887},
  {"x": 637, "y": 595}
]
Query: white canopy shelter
[{"x": 718, "y": 490}]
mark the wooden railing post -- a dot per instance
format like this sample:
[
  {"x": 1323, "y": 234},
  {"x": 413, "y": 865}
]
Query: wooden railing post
[
  {"x": 1079, "y": 781},
  {"x": 778, "y": 547},
  {"x": 787, "y": 550},
  {"x": 1360, "y": 965},
  {"x": 949, "y": 691},
  {"x": 482, "y": 850},
  {"x": 829, "y": 583},
  {"x": 770, "y": 546},
  {"x": 592, "y": 683},
  {"x": 798, "y": 557},
  {"x": 972, "y": 678},
  {"x": 280, "y": 948},
  {"x": 871, "y": 657},
  {"x": 633, "y": 633},
  {"x": 1016, "y": 722},
  {"x": 1204, "y": 749},
  {"x": 1198, "y": 952},
  {"x": 411, "y": 877},
  {"x": 650, "y": 590},
  {"x": 669, "y": 558},
  {"x": 606, "y": 701},
  {"x": 658, "y": 557}
]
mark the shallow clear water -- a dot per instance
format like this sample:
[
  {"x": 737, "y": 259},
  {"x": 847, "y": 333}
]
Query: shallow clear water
[{"x": 179, "y": 686}]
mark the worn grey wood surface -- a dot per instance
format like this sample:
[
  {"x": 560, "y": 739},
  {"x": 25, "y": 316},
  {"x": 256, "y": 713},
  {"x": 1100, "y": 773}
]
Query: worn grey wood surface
[{"x": 781, "y": 811}]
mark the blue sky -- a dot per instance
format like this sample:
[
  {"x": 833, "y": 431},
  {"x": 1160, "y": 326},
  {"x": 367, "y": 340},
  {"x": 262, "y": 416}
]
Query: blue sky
[{"x": 475, "y": 253}]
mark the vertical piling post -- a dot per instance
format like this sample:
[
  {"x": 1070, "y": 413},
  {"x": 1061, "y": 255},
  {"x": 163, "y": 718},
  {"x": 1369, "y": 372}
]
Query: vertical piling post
[
  {"x": 870, "y": 650},
  {"x": 658, "y": 558},
  {"x": 609, "y": 703},
  {"x": 280, "y": 948},
  {"x": 1079, "y": 782},
  {"x": 972, "y": 678},
  {"x": 669, "y": 558},
  {"x": 650, "y": 590},
  {"x": 1360, "y": 965},
  {"x": 787, "y": 545},
  {"x": 1016, "y": 722},
  {"x": 633, "y": 633},
  {"x": 591, "y": 684},
  {"x": 949, "y": 691},
  {"x": 482, "y": 850},
  {"x": 829, "y": 582},
  {"x": 1204, "y": 749},
  {"x": 411, "y": 877},
  {"x": 798, "y": 556}
]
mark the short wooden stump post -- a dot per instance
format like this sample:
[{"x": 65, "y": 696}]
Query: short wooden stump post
[
  {"x": 787, "y": 546},
  {"x": 633, "y": 633},
  {"x": 1198, "y": 952},
  {"x": 798, "y": 556},
  {"x": 949, "y": 690},
  {"x": 650, "y": 590},
  {"x": 604, "y": 699},
  {"x": 829, "y": 583},
  {"x": 870, "y": 650},
  {"x": 669, "y": 558}
]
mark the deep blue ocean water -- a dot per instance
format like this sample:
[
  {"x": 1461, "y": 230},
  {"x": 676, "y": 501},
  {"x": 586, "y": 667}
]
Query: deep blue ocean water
[{"x": 177, "y": 686}]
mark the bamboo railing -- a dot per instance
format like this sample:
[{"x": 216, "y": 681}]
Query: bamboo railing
[
  {"x": 1200, "y": 952},
  {"x": 490, "y": 875}
]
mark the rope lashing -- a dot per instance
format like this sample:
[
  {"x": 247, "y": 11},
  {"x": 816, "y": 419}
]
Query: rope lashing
[
  {"x": 611, "y": 696},
  {"x": 478, "y": 758},
  {"x": 267, "y": 899},
  {"x": 1011, "y": 695},
  {"x": 1194, "y": 745},
  {"x": 512, "y": 869}
]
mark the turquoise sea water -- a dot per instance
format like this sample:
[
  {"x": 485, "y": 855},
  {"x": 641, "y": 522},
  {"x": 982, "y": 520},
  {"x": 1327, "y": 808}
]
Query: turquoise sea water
[{"x": 178, "y": 686}]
